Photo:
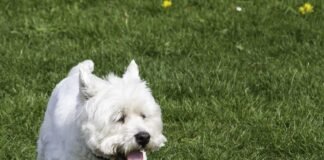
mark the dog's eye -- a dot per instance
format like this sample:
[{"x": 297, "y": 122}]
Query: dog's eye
[
  {"x": 143, "y": 115},
  {"x": 122, "y": 119}
]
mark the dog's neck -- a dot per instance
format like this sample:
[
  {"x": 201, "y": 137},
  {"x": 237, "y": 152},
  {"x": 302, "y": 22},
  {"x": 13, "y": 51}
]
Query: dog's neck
[
  {"x": 118, "y": 157},
  {"x": 101, "y": 158},
  {"x": 111, "y": 158}
]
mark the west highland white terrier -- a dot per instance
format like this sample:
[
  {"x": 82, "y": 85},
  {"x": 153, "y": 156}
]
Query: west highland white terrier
[{"x": 89, "y": 118}]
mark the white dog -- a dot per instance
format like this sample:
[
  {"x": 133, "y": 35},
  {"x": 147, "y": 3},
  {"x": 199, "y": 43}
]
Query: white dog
[{"x": 89, "y": 118}]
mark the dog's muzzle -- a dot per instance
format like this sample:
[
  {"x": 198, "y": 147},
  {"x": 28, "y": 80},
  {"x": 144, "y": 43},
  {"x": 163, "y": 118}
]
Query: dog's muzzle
[{"x": 142, "y": 139}]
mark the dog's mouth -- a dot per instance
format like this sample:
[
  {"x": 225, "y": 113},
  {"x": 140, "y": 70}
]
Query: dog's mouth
[{"x": 134, "y": 155}]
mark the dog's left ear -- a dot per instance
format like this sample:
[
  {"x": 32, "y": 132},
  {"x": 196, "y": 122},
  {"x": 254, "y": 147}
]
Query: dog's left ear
[{"x": 132, "y": 71}]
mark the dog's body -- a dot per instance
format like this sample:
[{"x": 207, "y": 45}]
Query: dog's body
[{"x": 89, "y": 118}]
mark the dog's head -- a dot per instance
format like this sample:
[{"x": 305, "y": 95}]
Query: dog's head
[{"x": 119, "y": 114}]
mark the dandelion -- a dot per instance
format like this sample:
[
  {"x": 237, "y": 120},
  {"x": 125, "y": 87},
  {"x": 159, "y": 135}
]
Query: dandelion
[
  {"x": 238, "y": 8},
  {"x": 166, "y": 3},
  {"x": 306, "y": 8}
]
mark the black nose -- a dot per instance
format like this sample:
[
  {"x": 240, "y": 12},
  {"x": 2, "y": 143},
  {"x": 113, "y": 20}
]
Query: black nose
[{"x": 142, "y": 138}]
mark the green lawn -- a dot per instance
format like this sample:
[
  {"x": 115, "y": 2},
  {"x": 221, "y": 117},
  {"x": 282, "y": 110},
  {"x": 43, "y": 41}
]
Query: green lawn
[{"x": 232, "y": 85}]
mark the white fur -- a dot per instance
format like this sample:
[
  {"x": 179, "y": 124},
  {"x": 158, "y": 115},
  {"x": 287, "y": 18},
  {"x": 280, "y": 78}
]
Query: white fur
[{"x": 83, "y": 116}]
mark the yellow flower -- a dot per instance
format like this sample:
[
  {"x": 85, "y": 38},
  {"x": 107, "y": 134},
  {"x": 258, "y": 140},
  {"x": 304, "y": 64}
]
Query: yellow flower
[
  {"x": 306, "y": 8},
  {"x": 166, "y": 3},
  {"x": 301, "y": 10}
]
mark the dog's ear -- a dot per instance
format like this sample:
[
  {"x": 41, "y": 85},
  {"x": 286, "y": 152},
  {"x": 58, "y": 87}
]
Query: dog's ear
[
  {"x": 90, "y": 85},
  {"x": 132, "y": 71}
]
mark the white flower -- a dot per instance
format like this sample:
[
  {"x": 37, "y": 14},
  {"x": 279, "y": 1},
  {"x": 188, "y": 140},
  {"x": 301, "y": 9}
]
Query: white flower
[{"x": 238, "y": 8}]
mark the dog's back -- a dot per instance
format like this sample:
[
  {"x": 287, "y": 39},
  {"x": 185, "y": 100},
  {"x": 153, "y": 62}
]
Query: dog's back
[{"x": 57, "y": 121}]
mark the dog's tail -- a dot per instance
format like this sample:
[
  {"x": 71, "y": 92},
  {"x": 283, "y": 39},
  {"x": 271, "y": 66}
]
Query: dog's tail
[{"x": 86, "y": 65}]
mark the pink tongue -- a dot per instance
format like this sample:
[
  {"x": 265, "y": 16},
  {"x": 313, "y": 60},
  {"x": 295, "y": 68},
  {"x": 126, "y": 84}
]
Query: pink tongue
[{"x": 137, "y": 155}]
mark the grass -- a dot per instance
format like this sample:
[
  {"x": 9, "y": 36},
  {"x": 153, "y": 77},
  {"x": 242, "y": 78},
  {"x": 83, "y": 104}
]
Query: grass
[{"x": 232, "y": 85}]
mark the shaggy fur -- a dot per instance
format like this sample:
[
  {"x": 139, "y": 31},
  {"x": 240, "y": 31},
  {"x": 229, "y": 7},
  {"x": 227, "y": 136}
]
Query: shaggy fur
[{"x": 89, "y": 118}]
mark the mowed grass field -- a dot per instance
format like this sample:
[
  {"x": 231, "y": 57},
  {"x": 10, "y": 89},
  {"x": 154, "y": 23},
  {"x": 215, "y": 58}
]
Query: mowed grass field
[{"x": 231, "y": 85}]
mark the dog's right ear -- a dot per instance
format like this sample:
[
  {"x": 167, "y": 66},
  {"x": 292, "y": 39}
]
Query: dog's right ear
[
  {"x": 90, "y": 85},
  {"x": 132, "y": 71}
]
